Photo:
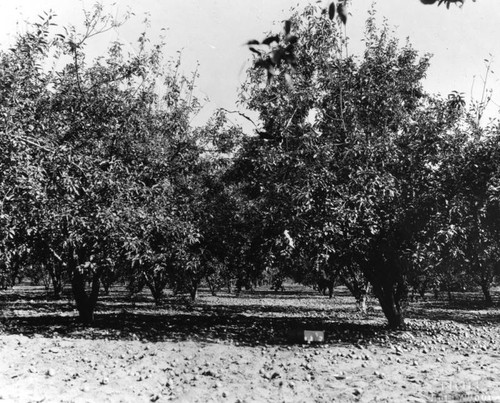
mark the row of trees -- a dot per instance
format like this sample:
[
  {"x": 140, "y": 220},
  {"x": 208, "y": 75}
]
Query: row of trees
[
  {"x": 100, "y": 174},
  {"x": 355, "y": 172}
]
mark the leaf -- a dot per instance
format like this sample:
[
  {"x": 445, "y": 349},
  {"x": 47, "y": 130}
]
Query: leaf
[
  {"x": 288, "y": 26},
  {"x": 428, "y": 1},
  {"x": 342, "y": 12},
  {"x": 253, "y": 42},
  {"x": 331, "y": 10},
  {"x": 271, "y": 39},
  {"x": 256, "y": 51}
]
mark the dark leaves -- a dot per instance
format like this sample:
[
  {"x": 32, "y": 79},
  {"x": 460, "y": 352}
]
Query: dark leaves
[
  {"x": 72, "y": 46},
  {"x": 290, "y": 58},
  {"x": 256, "y": 51},
  {"x": 447, "y": 2},
  {"x": 277, "y": 56},
  {"x": 456, "y": 101},
  {"x": 268, "y": 65},
  {"x": 331, "y": 10},
  {"x": 273, "y": 59},
  {"x": 342, "y": 12},
  {"x": 264, "y": 135},
  {"x": 340, "y": 9},
  {"x": 271, "y": 39},
  {"x": 264, "y": 63},
  {"x": 253, "y": 42},
  {"x": 288, "y": 26}
]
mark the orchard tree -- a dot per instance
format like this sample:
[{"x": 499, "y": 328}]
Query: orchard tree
[
  {"x": 84, "y": 144},
  {"x": 466, "y": 231},
  {"x": 344, "y": 159}
]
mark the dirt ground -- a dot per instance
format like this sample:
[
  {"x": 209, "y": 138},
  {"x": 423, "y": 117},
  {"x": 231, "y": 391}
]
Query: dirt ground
[{"x": 227, "y": 349}]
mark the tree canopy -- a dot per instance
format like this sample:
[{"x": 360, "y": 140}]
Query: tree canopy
[{"x": 354, "y": 171}]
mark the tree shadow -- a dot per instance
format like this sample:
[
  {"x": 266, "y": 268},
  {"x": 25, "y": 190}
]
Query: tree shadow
[
  {"x": 465, "y": 307},
  {"x": 201, "y": 326},
  {"x": 255, "y": 318},
  {"x": 476, "y": 315},
  {"x": 291, "y": 293}
]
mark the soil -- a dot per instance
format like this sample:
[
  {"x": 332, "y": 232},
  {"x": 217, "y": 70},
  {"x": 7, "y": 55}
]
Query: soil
[{"x": 228, "y": 349}]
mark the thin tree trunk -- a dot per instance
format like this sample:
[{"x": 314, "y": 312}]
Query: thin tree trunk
[
  {"x": 107, "y": 280},
  {"x": 485, "y": 287},
  {"x": 362, "y": 299},
  {"x": 330, "y": 289},
  {"x": 239, "y": 286},
  {"x": 157, "y": 295},
  {"x": 422, "y": 290},
  {"x": 391, "y": 297},
  {"x": 85, "y": 303},
  {"x": 211, "y": 287},
  {"x": 156, "y": 284},
  {"x": 392, "y": 311},
  {"x": 156, "y": 291},
  {"x": 194, "y": 289},
  {"x": 106, "y": 285},
  {"x": 56, "y": 277},
  {"x": 362, "y": 303}
]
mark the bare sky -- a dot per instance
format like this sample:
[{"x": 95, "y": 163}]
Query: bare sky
[{"x": 212, "y": 32}]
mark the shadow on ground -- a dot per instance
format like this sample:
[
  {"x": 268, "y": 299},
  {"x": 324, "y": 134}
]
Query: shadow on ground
[
  {"x": 466, "y": 308},
  {"x": 261, "y": 317},
  {"x": 244, "y": 330}
]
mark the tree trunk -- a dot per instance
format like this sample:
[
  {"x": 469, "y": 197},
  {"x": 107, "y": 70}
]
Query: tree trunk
[
  {"x": 362, "y": 298},
  {"x": 485, "y": 287},
  {"x": 85, "y": 303},
  {"x": 211, "y": 287},
  {"x": 422, "y": 291},
  {"x": 392, "y": 311},
  {"x": 157, "y": 295},
  {"x": 56, "y": 278},
  {"x": 330, "y": 290},
  {"x": 57, "y": 285},
  {"x": 106, "y": 285},
  {"x": 157, "y": 282},
  {"x": 362, "y": 303},
  {"x": 194, "y": 289},
  {"x": 107, "y": 280},
  {"x": 239, "y": 286},
  {"x": 391, "y": 296},
  {"x": 156, "y": 291},
  {"x": 136, "y": 284}
]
